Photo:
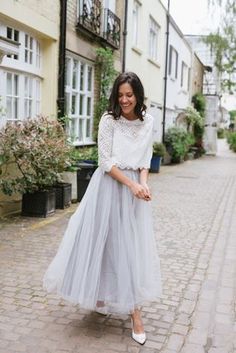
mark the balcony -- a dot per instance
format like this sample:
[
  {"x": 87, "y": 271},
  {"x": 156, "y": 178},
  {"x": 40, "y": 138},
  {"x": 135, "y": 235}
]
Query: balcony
[
  {"x": 99, "y": 24},
  {"x": 90, "y": 15},
  {"x": 111, "y": 28}
]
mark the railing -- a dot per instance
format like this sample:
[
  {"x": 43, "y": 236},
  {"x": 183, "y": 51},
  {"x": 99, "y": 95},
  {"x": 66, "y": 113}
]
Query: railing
[
  {"x": 90, "y": 15},
  {"x": 106, "y": 28},
  {"x": 111, "y": 28}
]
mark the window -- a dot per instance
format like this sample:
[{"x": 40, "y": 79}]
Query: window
[
  {"x": 153, "y": 39},
  {"x": 20, "y": 77},
  {"x": 173, "y": 63},
  {"x": 136, "y": 24},
  {"x": 12, "y": 34},
  {"x": 79, "y": 99},
  {"x": 184, "y": 76},
  {"x": 28, "y": 49}
]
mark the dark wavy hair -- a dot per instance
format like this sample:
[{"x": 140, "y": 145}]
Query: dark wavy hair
[{"x": 134, "y": 81}]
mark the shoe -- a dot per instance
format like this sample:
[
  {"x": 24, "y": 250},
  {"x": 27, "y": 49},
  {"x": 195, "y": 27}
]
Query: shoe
[{"x": 138, "y": 337}]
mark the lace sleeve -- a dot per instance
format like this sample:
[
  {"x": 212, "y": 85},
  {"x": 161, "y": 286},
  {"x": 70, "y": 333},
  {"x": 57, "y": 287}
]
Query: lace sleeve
[{"x": 105, "y": 138}]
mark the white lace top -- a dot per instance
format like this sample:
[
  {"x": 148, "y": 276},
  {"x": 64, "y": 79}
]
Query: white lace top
[{"x": 125, "y": 143}]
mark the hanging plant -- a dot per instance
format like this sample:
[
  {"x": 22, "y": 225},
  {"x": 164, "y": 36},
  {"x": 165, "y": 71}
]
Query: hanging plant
[{"x": 106, "y": 74}]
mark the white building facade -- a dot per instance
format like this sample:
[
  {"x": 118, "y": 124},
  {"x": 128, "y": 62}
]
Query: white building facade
[
  {"x": 178, "y": 95},
  {"x": 145, "y": 53}
]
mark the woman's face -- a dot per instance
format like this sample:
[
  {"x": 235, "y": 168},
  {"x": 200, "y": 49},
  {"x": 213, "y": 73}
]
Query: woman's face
[{"x": 127, "y": 100}]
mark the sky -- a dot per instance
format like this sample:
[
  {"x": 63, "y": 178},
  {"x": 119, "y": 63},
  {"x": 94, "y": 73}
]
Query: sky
[{"x": 194, "y": 16}]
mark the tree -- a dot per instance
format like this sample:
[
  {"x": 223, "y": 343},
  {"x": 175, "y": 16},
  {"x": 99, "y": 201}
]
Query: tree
[{"x": 223, "y": 43}]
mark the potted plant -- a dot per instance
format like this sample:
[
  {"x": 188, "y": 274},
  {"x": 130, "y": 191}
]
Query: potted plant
[
  {"x": 158, "y": 152},
  {"x": 33, "y": 153}
]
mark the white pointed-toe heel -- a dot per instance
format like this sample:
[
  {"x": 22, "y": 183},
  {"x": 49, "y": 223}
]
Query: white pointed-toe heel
[{"x": 138, "y": 337}]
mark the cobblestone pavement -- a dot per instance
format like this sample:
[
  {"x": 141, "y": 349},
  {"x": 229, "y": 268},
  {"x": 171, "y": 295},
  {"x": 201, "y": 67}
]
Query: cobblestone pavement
[{"x": 195, "y": 221}]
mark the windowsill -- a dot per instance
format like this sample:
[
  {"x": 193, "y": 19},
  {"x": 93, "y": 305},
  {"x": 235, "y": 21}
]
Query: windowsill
[
  {"x": 82, "y": 144},
  {"x": 137, "y": 50},
  {"x": 155, "y": 63}
]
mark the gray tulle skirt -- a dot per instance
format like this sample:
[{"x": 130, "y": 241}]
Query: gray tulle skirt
[{"x": 108, "y": 252}]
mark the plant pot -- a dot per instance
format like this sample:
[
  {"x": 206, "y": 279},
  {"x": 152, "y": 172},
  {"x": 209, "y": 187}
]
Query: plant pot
[
  {"x": 63, "y": 195},
  {"x": 155, "y": 164},
  {"x": 84, "y": 174},
  {"x": 71, "y": 178},
  {"x": 39, "y": 203}
]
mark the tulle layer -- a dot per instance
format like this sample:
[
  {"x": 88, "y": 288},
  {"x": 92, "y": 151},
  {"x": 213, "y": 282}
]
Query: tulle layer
[{"x": 108, "y": 252}]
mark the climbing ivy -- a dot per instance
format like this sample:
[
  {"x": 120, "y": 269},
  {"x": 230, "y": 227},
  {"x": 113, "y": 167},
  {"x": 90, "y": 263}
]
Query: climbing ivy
[{"x": 106, "y": 74}]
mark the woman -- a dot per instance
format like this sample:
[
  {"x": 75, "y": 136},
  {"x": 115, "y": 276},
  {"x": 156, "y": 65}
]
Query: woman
[{"x": 107, "y": 260}]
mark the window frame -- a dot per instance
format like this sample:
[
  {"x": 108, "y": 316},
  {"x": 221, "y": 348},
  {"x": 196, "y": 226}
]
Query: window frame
[
  {"x": 153, "y": 42},
  {"x": 29, "y": 104},
  {"x": 136, "y": 23},
  {"x": 78, "y": 98},
  {"x": 173, "y": 64}
]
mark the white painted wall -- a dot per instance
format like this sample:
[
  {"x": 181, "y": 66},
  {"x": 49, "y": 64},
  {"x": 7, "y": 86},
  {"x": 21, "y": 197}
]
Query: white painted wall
[
  {"x": 178, "y": 97},
  {"x": 150, "y": 72}
]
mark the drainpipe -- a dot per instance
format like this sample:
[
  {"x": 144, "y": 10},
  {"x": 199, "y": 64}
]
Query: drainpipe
[
  {"x": 166, "y": 70},
  {"x": 62, "y": 59},
  {"x": 125, "y": 35}
]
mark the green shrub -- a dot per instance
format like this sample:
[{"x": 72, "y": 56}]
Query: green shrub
[
  {"x": 158, "y": 149},
  {"x": 220, "y": 133},
  {"x": 178, "y": 141},
  {"x": 231, "y": 139}
]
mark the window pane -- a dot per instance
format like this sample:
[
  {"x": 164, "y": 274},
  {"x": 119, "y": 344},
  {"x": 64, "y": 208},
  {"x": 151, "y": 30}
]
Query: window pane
[
  {"x": 16, "y": 35},
  {"x": 68, "y": 61},
  {"x": 9, "y": 108},
  {"x": 81, "y": 77},
  {"x": 15, "y": 102},
  {"x": 75, "y": 74},
  {"x": 31, "y": 57},
  {"x": 81, "y": 101},
  {"x": 9, "y": 33},
  {"x": 67, "y": 104},
  {"x": 88, "y": 123},
  {"x": 73, "y": 104},
  {"x": 73, "y": 129},
  {"x": 89, "y": 78},
  {"x": 15, "y": 85},
  {"x": 9, "y": 83},
  {"x": 88, "y": 106},
  {"x": 81, "y": 130}
]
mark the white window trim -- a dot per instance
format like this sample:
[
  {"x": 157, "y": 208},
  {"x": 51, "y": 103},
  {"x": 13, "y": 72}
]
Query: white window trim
[
  {"x": 79, "y": 116},
  {"x": 173, "y": 63},
  {"x": 153, "y": 48},
  {"x": 22, "y": 70}
]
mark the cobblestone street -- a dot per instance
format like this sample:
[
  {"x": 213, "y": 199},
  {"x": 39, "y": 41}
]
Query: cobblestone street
[{"x": 195, "y": 220}]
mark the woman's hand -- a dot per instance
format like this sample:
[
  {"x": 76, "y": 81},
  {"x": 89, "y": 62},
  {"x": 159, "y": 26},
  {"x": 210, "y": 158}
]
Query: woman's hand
[
  {"x": 148, "y": 195},
  {"x": 140, "y": 191}
]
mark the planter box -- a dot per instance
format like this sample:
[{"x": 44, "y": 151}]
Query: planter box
[
  {"x": 155, "y": 164},
  {"x": 84, "y": 174},
  {"x": 39, "y": 204},
  {"x": 71, "y": 178},
  {"x": 63, "y": 195}
]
